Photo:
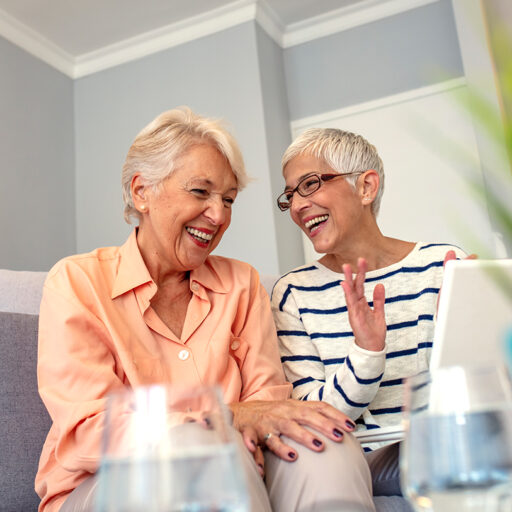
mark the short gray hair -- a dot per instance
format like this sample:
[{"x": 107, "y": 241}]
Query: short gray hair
[
  {"x": 344, "y": 151},
  {"x": 156, "y": 149}
]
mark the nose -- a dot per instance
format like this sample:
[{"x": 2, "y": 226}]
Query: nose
[
  {"x": 299, "y": 203},
  {"x": 216, "y": 212}
]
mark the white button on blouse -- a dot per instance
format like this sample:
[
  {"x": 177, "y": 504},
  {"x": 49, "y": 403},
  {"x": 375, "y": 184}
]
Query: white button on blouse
[{"x": 183, "y": 355}]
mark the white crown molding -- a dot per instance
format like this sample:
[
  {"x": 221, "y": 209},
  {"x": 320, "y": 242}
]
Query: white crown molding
[
  {"x": 299, "y": 125},
  {"x": 269, "y": 21},
  {"x": 213, "y": 21},
  {"x": 35, "y": 44},
  {"x": 165, "y": 37},
  {"x": 346, "y": 18}
]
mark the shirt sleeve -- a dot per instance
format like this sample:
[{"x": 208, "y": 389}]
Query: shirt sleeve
[
  {"x": 262, "y": 374},
  {"x": 353, "y": 385},
  {"x": 76, "y": 369}
]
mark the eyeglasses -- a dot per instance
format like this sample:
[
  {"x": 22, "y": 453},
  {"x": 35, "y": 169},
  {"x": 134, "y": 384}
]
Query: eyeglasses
[{"x": 307, "y": 186}]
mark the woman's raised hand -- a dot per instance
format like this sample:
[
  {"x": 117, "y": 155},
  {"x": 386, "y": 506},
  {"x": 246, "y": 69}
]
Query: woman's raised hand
[
  {"x": 262, "y": 423},
  {"x": 368, "y": 325}
]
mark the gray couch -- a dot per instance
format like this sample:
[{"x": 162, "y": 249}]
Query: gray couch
[{"x": 24, "y": 421}]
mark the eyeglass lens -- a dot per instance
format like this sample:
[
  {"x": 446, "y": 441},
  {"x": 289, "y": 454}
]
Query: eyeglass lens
[{"x": 307, "y": 186}]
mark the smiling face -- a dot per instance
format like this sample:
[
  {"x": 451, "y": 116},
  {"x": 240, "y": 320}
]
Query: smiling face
[
  {"x": 184, "y": 220},
  {"x": 330, "y": 217}
]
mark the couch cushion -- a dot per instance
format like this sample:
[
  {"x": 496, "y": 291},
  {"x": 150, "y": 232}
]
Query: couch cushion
[
  {"x": 24, "y": 421},
  {"x": 21, "y": 291},
  {"x": 268, "y": 281}
]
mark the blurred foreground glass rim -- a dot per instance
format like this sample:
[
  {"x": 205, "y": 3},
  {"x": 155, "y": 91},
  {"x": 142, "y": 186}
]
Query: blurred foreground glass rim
[{"x": 458, "y": 389}]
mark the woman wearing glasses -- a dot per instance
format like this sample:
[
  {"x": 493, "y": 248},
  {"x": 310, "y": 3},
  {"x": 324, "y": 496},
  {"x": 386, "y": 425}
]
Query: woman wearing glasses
[{"x": 352, "y": 347}]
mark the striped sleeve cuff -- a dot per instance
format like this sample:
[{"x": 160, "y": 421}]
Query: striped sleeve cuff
[{"x": 367, "y": 364}]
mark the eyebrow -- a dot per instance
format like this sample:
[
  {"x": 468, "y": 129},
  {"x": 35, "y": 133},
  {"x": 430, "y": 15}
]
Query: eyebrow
[
  {"x": 311, "y": 173},
  {"x": 204, "y": 181},
  {"x": 199, "y": 180}
]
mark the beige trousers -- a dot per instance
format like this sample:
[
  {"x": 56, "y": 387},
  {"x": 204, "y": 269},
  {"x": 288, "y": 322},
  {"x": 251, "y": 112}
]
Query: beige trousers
[
  {"x": 335, "y": 480},
  {"x": 338, "y": 479}
]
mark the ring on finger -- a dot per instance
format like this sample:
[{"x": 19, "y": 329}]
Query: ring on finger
[{"x": 267, "y": 436}]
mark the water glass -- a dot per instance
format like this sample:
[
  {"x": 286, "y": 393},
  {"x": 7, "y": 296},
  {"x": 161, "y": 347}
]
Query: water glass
[
  {"x": 457, "y": 452},
  {"x": 169, "y": 449}
]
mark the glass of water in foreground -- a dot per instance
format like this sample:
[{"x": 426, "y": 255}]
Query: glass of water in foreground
[
  {"x": 169, "y": 449},
  {"x": 457, "y": 453}
]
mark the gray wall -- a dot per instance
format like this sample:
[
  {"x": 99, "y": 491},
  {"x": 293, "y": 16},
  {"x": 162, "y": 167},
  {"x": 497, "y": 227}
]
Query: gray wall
[
  {"x": 238, "y": 74},
  {"x": 278, "y": 138},
  {"x": 392, "y": 55},
  {"x": 37, "y": 203},
  {"x": 216, "y": 76}
]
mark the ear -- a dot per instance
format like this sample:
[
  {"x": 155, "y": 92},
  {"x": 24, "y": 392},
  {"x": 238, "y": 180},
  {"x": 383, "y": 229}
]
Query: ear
[
  {"x": 138, "y": 189},
  {"x": 368, "y": 186}
]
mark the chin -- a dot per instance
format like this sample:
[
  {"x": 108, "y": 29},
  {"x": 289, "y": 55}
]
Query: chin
[
  {"x": 321, "y": 249},
  {"x": 324, "y": 245}
]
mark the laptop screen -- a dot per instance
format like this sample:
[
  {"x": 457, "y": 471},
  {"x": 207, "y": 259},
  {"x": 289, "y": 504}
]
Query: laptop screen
[{"x": 474, "y": 315}]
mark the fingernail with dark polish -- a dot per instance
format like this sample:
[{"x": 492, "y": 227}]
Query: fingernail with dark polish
[
  {"x": 253, "y": 443},
  {"x": 317, "y": 443},
  {"x": 350, "y": 424},
  {"x": 291, "y": 455},
  {"x": 207, "y": 421},
  {"x": 337, "y": 433}
]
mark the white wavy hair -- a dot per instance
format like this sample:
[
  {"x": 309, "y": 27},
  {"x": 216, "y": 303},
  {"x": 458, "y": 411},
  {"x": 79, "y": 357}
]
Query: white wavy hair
[{"x": 156, "y": 150}]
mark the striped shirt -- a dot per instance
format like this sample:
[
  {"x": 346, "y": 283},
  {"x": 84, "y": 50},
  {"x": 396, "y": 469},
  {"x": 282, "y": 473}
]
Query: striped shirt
[{"x": 318, "y": 352}]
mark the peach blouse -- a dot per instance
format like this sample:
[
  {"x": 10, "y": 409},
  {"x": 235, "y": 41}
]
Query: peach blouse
[{"x": 98, "y": 332}]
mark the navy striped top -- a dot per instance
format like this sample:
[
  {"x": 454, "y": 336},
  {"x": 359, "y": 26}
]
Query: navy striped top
[{"x": 318, "y": 352}]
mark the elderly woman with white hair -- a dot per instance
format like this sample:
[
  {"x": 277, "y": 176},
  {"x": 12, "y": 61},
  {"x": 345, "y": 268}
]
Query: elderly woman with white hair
[
  {"x": 162, "y": 309},
  {"x": 352, "y": 348}
]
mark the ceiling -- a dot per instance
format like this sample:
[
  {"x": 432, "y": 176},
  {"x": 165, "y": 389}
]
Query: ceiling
[{"x": 78, "y": 27}]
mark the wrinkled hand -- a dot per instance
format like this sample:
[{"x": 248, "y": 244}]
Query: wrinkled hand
[
  {"x": 256, "y": 419},
  {"x": 368, "y": 325}
]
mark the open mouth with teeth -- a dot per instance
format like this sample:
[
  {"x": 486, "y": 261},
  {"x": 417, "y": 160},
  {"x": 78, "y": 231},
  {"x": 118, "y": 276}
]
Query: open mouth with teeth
[
  {"x": 200, "y": 237},
  {"x": 315, "y": 223}
]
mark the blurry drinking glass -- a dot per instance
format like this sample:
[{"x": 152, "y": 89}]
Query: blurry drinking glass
[
  {"x": 168, "y": 449},
  {"x": 457, "y": 453}
]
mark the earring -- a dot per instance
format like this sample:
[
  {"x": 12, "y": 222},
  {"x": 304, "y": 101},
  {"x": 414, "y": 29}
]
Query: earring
[{"x": 142, "y": 207}]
